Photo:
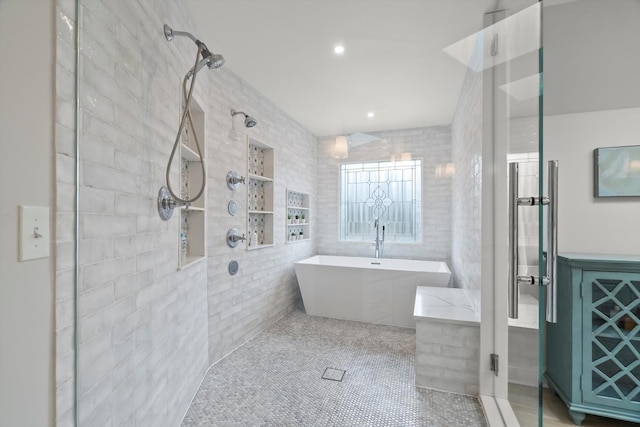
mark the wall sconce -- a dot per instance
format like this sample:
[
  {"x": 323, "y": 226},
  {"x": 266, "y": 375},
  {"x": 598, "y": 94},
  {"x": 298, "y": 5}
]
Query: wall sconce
[
  {"x": 341, "y": 147},
  {"x": 446, "y": 170},
  {"x": 402, "y": 157}
]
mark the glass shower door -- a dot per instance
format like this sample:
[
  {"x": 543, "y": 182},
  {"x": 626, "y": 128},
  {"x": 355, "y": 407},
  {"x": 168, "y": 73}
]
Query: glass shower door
[
  {"x": 516, "y": 204},
  {"x": 591, "y": 100}
]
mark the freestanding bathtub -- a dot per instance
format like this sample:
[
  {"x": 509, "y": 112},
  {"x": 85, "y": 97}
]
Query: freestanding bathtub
[{"x": 366, "y": 289}]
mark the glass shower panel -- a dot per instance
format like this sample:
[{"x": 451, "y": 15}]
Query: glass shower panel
[
  {"x": 522, "y": 86},
  {"x": 504, "y": 79},
  {"x": 513, "y": 55},
  {"x": 67, "y": 199}
]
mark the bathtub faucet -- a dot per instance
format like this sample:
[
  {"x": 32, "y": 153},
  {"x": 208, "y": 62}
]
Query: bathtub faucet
[{"x": 379, "y": 243}]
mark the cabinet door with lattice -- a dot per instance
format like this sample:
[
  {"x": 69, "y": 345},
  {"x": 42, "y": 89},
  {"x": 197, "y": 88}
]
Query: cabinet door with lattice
[{"x": 611, "y": 356}]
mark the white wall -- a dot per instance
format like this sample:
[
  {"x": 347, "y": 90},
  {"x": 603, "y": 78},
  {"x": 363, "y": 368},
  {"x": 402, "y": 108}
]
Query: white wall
[
  {"x": 591, "y": 55},
  {"x": 592, "y": 99},
  {"x": 433, "y": 146},
  {"x": 26, "y": 140},
  {"x": 587, "y": 224}
]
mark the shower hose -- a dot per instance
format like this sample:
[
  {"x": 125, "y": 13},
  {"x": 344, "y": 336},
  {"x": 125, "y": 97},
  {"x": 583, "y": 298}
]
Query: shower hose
[{"x": 186, "y": 114}]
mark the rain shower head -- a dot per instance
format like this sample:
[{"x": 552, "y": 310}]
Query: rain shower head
[{"x": 248, "y": 120}]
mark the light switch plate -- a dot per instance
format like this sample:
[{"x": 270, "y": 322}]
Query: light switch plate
[{"x": 34, "y": 232}]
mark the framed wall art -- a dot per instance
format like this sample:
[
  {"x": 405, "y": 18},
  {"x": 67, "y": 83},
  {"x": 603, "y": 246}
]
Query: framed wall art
[{"x": 617, "y": 171}]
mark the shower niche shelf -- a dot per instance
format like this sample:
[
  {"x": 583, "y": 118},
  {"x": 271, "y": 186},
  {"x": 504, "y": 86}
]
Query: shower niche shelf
[
  {"x": 260, "y": 189},
  {"x": 297, "y": 205},
  {"x": 192, "y": 232}
]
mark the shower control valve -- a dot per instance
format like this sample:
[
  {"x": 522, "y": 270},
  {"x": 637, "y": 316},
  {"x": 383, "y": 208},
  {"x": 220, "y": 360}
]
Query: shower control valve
[
  {"x": 233, "y": 180},
  {"x": 165, "y": 203},
  {"x": 233, "y": 237},
  {"x": 168, "y": 203}
]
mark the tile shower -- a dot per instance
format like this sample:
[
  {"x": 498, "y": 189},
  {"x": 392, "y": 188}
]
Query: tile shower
[{"x": 147, "y": 331}]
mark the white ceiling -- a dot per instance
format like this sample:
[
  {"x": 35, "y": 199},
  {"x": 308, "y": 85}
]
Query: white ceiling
[{"x": 393, "y": 65}]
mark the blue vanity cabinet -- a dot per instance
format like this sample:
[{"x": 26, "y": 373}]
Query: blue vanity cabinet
[{"x": 593, "y": 352}]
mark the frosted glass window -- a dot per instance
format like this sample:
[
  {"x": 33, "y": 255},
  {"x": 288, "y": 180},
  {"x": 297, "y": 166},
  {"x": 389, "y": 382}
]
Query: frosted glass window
[{"x": 389, "y": 191}]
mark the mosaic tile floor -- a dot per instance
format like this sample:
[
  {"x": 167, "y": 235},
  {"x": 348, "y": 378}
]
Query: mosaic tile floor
[{"x": 276, "y": 379}]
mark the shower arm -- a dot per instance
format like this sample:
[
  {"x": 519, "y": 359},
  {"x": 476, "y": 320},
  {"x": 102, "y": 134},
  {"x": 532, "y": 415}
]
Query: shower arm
[
  {"x": 169, "y": 33},
  {"x": 184, "y": 33}
]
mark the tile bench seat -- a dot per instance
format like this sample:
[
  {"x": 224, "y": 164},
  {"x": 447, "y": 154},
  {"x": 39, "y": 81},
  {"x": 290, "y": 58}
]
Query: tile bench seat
[{"x": 447, "y": 340}]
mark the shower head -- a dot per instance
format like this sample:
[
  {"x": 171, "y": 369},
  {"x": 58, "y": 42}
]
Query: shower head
[
  {"x": 215, "y": 60},
  {"x": 210, "y": 59},
  {"x": 248, "y": 120}
]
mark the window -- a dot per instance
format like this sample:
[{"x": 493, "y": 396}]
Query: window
[{"x": 389, "y": 191}]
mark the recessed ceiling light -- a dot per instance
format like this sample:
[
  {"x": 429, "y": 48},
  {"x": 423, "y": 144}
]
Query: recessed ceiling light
[
  {"x": 370, "y": 114},
  {"x": 339, "y": 49}
]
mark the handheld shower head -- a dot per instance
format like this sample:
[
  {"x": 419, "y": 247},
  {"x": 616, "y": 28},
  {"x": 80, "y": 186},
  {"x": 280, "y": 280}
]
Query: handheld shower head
[
  {"x": 210, "y": 59},
  {"x": 248, "y": 120},
  {"x": 167, "y": 198},
  {"x": 215, "y": 61}
]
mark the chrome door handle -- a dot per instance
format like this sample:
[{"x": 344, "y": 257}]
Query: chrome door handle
[
  {"x": 550, "y": 280},
  {"x": 513, "y": 293},
  {"x": 552, "y": 241}
]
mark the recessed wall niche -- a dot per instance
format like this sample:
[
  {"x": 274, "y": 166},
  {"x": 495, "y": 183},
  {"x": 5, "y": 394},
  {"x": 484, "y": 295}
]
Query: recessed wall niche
[{"x": 260, "y": 187}]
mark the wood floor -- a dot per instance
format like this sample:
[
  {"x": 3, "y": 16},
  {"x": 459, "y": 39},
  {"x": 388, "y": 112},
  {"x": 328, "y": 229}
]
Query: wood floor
[{"x": 524, "y": 401}]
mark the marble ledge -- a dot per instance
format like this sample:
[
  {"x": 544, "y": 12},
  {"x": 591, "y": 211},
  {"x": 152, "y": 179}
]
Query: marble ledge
[{"x": 446, "y": 305}]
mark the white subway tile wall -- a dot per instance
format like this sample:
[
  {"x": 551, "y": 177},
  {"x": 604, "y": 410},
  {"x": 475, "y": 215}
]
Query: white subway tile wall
[
  {"x": 447, "y": 356},
  {"x": 433, "y": 146},
  {"x": 148, "y": 332},
  {"x": 466, "y": 214}
]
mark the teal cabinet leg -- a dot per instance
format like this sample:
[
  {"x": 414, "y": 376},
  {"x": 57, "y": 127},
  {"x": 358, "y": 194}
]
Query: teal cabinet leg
[{"x": 577, "y": 417}]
